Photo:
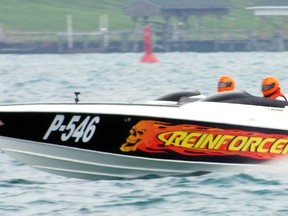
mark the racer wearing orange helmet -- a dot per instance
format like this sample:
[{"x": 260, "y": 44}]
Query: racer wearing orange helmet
[
  {"x": 225, "y": 83},
  {"x": 270, "y": 87}
]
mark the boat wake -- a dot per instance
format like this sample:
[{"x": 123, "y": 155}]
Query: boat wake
[{"x": 275, "y": 166}]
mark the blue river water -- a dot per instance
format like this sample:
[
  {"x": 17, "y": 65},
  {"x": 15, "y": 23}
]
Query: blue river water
[{"x": 120, "y": 77}]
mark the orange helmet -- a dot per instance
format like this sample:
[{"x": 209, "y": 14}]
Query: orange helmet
[
  {"x": 269, "y": 85},
  {"x": 226, "y": 83}
]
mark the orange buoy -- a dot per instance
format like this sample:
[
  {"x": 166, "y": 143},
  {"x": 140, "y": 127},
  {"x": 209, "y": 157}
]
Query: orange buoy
[{"x": 148, "y": 57}]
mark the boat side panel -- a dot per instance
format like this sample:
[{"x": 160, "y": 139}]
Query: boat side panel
[{"x": 147, "y": 136}]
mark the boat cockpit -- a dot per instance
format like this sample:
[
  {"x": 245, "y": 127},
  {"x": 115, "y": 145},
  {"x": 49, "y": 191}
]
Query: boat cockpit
[{"x": 242, "y": 97}]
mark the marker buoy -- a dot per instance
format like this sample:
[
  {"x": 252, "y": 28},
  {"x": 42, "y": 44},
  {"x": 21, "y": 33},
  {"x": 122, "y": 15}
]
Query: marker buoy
[{"x": 148, "y": 57}]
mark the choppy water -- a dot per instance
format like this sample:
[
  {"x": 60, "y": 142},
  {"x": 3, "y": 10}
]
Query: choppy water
[{"x": 120, "y": 77}]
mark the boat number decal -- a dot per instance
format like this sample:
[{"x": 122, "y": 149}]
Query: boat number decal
[
  {"x": 77, "y": 128},
  {"x": 195, "y": 140}
]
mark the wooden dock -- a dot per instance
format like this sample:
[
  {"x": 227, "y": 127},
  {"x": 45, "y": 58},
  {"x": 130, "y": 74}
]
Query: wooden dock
[{"x": 128, "y": 41}]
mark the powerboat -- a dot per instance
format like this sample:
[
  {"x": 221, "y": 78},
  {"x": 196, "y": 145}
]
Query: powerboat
[{"x": 178, "y": 134}]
